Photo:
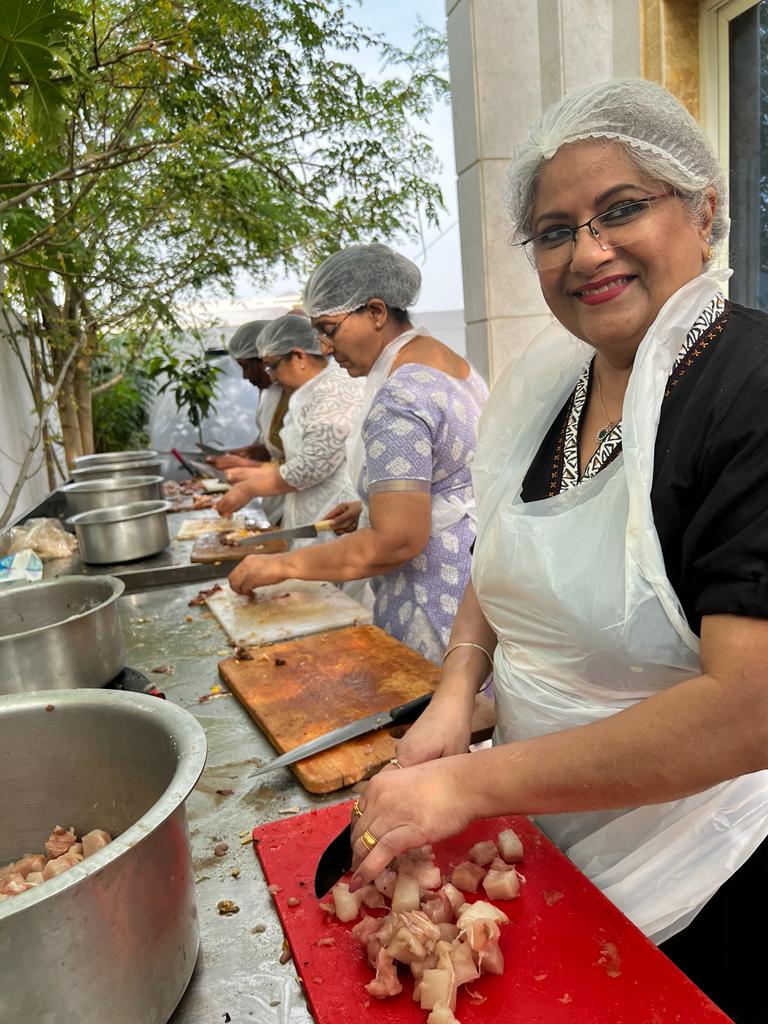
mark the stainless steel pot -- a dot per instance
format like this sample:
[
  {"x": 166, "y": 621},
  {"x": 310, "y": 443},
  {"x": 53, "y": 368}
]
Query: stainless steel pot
[
  {"x": 111, "y": 458},
  {"x": 106, "y": 493},
  {"x": 122, "y": 533},
  {"x": 115, "y": 937},
  {"x": 138, "y": 467},
  {"x": 60, "y": 633}
]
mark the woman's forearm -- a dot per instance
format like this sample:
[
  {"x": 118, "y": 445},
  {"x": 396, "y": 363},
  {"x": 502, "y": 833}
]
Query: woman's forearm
[
  {"x": 466, "y": 666},
  {"x": 355, "y": 556}
]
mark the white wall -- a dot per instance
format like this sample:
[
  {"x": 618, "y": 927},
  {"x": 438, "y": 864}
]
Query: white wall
[
  {"x": 17, "y": 420},
  {"x": 509, "y": 60}
]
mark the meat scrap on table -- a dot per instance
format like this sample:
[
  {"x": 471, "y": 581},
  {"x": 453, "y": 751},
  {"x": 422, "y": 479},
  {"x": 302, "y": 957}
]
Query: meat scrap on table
[
  {"x": 62, "y": 851},
  {"x": 431, "y": 928}
]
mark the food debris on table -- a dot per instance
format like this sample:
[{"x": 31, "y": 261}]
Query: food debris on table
[
  {"x": 163, "y": 670},
  {"x": 289, "y": 810},
  {"x": 227, "y": 907},
  {"x": 225, "y": 792},
  {"x": 220, "y": 849},
  {"x": 293, "y": 901},
  {"x": 274, "y": 889},
  {"x": 242, "y": 654},
  {"x": 201, "y": 595},
  {"x": 235, "y": 872},
  {"x": 285, "y": 956}
]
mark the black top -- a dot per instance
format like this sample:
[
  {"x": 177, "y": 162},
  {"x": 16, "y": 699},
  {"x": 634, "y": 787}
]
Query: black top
[{"x": 710, "y": 476}]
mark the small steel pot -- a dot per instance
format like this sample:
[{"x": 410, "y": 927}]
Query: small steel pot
[
  {"x": 60, "y": 633},
  {"x": 139, "y": 467},
  {"x": 114, "y": 938},
  {"x": 111, "y": 458},
  {"x": 106, "y": 493},
  {"x": 122, "y": 533}
]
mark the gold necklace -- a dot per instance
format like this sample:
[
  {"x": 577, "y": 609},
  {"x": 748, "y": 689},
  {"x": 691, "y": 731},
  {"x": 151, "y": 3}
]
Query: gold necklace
[{"x": 603, "y": 432}]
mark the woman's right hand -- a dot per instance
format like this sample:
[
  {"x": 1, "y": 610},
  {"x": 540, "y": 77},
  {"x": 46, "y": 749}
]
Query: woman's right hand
[
  {"x": 345, "y": 517},
  {"x": 443, "y": 728}
]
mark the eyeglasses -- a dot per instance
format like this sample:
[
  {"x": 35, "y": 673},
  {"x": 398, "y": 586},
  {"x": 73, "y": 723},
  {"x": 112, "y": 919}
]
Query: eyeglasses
[
  {"x": 330, "y": 333},
  {"x": 271, "y": 368},
  {"x": 621, "y": 225}
]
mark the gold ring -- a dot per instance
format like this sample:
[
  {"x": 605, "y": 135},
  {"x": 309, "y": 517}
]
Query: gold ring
[
  {"x": 356, "y": 809},
  {"x": 369, "y": 841},
  {"x": 393, "y": 760}
]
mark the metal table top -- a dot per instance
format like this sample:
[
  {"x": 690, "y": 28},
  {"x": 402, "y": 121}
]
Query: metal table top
[{"x": 238, "y": 972}]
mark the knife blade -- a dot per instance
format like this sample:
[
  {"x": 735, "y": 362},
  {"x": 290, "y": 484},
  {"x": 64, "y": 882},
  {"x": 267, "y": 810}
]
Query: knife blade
[
  {"x": 399, "y": 715},
  {"x": 198, "y": 469},
  {"x": 335, "y": 861},
  {"x": 292, "y": 533}
]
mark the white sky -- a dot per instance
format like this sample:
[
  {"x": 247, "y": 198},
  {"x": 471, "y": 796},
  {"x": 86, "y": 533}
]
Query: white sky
[{"x": 441, "y": 264}]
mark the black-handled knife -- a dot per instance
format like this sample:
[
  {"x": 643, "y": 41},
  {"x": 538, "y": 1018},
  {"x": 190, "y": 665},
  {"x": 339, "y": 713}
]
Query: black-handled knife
[
  {"x": 399, "y": 715},
  {"x": 335, "y": 861}
]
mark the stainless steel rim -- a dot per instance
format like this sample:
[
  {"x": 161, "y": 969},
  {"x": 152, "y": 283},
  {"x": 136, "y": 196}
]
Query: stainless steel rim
[
  {"x": 109, "y": 483},
  {"x": 135, "y": 455},
  {"x": 116, "y": 586},
  {"x": 119, "y": 513},
  {"x": 189, "y": 740}
]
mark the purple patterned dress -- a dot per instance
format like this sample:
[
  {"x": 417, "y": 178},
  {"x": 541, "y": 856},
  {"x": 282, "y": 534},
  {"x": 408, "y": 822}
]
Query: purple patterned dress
[{"x": 420, "y": 435}]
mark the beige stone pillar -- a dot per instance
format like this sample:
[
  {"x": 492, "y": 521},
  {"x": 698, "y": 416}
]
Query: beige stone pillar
[{"x": 509, "y": 60}]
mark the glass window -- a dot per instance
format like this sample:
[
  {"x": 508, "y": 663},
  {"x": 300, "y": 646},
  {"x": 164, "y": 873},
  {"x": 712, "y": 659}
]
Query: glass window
[{"x": 748, "y": 132}]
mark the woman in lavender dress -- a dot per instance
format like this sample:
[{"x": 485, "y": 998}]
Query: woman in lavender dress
[{"x": 409, "y": 458}]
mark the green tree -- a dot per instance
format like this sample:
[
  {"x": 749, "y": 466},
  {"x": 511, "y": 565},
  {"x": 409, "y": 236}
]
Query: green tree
[{"x": 157, "y": 150}]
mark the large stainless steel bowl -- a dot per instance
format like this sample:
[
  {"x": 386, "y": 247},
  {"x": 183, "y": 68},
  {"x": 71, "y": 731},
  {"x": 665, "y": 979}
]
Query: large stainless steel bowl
[
  {"x": 60, "y": 633},
  {"x": 106, "y": 493},
  {"x": 110, "y": 458},
  {"x": 138, "y": 467},
  {"x": 123, "y": 533},
  {"x": 115, "y": 937}
]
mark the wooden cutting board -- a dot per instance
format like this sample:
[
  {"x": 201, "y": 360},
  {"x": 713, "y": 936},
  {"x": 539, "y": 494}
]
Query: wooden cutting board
[
  {"x": 571, "y": 957},
  {"x": 290, "y": 609},
  {"x": 301, "y": 689},
  {"x": 209, "y": 548}
]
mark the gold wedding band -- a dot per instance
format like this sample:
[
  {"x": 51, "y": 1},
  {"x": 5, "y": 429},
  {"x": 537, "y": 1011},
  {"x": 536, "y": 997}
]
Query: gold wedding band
[
  {"x": 369, "y": 841},
  {"x": 393, "y": 760},
  {"x": 356, "y": 809}
]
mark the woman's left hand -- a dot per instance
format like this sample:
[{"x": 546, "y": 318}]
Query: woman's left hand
[
  {"x": 235, "y": 498},
  {"x": 404, "y": 808},
  {"x": 257, "y": 571}
]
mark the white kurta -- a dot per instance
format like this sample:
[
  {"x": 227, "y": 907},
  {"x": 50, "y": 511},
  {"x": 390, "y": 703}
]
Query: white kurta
[
  {"x": 320, "y": 416},
  {"x": 588, "y": 624}
]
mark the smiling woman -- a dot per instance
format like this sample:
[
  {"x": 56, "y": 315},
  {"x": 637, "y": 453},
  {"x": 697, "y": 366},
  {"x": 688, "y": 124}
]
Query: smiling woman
[{"x": 621, "y": 562}]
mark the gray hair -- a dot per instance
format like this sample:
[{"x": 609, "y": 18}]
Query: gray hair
[{"x": 659, "y": 136}]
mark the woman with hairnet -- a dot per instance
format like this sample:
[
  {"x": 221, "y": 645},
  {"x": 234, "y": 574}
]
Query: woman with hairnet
[
  {"x": 409, "y": 456},
  {"x": 270, "y": 413},
  {"x": 620, "y": 574},
  {"x": 322, "y": 406}
]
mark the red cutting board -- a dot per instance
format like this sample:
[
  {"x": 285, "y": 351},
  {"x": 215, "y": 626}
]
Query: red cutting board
[{"x": 570, "y": 956}]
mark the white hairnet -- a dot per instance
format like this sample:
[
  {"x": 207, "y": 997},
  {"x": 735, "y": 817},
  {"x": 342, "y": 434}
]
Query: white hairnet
[
  {"x": 290, "y": 331},
  {"x": 349, "y": 278},
  {"x": 663, "y": 141},
  {"x": 242, "y": 344}
]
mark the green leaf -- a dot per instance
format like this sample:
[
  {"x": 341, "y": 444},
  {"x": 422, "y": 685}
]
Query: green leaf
[{"x": 30, "y": 33}]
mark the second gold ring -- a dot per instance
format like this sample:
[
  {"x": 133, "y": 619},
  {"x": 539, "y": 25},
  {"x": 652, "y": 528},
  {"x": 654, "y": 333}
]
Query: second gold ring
[
  {"x": 356, "y": 809},
  {"x": 369, "y": 841}
]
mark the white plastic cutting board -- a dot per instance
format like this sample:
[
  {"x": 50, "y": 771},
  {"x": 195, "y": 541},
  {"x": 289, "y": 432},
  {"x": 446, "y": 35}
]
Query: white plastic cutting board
[{"x": 285, "y": 610}]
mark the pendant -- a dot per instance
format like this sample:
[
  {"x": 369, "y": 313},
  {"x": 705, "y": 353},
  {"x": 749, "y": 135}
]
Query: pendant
[{"x": 603, "y": 432}]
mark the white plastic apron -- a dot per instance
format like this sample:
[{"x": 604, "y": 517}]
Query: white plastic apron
[
  {"x": 447, "y": 509},
  {"x": 588, "y": 624}
]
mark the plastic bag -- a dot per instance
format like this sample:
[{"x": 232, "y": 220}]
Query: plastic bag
[
  {"x": 24, "y": 566},
  {"x": 46, "y": 537}
]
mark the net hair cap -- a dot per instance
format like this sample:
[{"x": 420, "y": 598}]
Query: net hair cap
[
  {"x": 288, "y": 332},
  {"x": 242, "y": 344},
  {"x": 664, "y": 140},
  {"x": 352, "y": 276}
]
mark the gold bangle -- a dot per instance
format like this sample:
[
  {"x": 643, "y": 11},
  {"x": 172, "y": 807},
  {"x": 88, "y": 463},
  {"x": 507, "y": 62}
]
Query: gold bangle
[{"x": 468, "y": 643}]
